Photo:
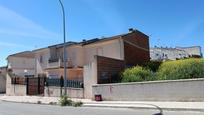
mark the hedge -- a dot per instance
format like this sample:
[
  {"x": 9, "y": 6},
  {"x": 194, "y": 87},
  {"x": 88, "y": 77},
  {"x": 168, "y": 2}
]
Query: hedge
[
  {"x": 181, "y": 69},
  {"x": 169, "y": 70},
  {"x": 137, "y": 74},
  {"x": 152, "y": 65}
]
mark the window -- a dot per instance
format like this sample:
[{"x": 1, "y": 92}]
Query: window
[{"x": 41, "y": 59}]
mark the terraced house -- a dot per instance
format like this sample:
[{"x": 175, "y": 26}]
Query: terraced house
[
  {"x": 92, "y": 61},
  {"x": 3, "y": 79}
]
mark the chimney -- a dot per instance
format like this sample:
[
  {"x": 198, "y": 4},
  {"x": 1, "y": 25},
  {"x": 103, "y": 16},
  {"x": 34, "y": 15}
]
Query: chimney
[
  {"x": 84, "y": 40},
  {"x": 131, "y": 30}
]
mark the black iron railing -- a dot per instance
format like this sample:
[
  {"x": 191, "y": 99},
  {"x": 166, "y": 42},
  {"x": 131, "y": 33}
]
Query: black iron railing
[
  {"x": 18, "y": 80},
  {"x": 60, "y": 83}
]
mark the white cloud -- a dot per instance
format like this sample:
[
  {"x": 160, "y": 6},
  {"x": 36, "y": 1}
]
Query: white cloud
[
  {"x": 6, "y": 44},
  {"x": 14, "y": 24}
]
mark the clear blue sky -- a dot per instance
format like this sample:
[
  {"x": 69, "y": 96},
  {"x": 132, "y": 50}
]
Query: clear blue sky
[{"x": 31, "y": 24}]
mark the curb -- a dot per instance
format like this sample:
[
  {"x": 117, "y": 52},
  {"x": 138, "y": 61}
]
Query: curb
[
  {"x": 115, "y": 106},
  {"x": 140, "y": 107},
  {"x": 27, "y": 102}
]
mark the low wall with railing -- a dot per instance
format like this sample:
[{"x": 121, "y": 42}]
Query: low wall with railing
[
  {"x": 54, "y": 91},
  {"x": 171, "y": 90},
  {"x": 55, "y": 88}
]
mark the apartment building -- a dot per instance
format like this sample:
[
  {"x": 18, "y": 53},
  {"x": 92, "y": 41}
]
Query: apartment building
[{"x": 165, "y": 53}]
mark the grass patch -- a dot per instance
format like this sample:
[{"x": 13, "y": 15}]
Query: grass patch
[{"x": 65, "y": 101}]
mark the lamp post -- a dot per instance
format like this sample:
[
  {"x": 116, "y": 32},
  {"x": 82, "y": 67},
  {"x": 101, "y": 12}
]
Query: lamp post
[{"x": 64, "y": 48}]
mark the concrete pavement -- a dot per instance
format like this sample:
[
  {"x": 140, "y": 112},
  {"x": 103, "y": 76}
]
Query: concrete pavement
[
  {"x": 8, "y": 108},
  {"x": 182, "y": 106}
]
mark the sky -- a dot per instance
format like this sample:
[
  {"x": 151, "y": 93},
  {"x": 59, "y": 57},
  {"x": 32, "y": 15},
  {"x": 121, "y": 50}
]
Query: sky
[{"x": 32, "y": 24}]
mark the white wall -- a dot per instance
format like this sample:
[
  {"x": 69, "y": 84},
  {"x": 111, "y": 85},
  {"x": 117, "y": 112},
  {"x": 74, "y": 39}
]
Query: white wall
[
  {"x": 196, "y": 50},
  {"x": 90, "y": 78},
  {"x": 11, "y": 89},
  {"x": 173, "y": 53},
  {"x": 175, "y": 90},
  {"x": 20, "y": 64}
]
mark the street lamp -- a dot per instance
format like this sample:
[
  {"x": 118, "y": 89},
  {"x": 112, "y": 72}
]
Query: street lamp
[{"x": 64, "y": 48}]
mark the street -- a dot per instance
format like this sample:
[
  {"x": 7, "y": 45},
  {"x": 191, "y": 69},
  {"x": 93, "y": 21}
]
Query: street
[{"x": 8, "y": 108}]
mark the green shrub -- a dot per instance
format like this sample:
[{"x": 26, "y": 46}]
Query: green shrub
[
  {"x": 181, "y": 69},
  {"x": 64, "y": 101},
  {"x": 137, "y": 74},
  {"x": 152, "y": 65},
  {"x": 77, "y": 104}
]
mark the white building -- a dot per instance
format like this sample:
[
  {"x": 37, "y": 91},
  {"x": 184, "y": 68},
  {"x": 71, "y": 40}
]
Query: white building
[{"x": 162, "y": 54}]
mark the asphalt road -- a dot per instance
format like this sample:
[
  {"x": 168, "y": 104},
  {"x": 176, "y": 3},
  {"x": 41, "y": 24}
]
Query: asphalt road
[{"x": 7, "y": 108}]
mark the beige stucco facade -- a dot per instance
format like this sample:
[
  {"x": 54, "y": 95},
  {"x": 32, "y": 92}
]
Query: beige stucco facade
[
  {"x": 78, "y": 56},
  {"x": 112, "y": 49},
  {"x": 41, "y": 60},
  {"x": 21, "y": 66},
  {"x": 72, "y": 74}
]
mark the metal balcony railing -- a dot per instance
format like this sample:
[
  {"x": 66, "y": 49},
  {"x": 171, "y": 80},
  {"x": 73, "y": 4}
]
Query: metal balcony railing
[{"x": 58, "y": 62}]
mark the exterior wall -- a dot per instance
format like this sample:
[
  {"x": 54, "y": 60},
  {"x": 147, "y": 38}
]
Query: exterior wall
[
  {"x": 2, "y": 84},
  {"x": 75, "y": 55},
  {"x": 3, "y": 72},
  {"x": 134, "y": 55},
  {"x": 41, "y": 60},
  {"x": 160, "y": 54},
  {"x": 90, "y": 78},
  {"x": 175, "y": 90},
  {"x": 136, "y": 48},
  {"x": 17, "y": 90},
  {"x": 195, "y": 50},
  {"x": 111, "y": 49},
  {"x": 108, "y": 69},
  {"x": 53, "y": 91},
  {"x": 20, "y": 64},
  {"x": 167, "y": 54},
  {"x": 72, "y": 74}
]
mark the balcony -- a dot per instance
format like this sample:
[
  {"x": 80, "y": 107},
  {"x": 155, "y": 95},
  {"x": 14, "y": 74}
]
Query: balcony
[{"x": 58, "y": 63}]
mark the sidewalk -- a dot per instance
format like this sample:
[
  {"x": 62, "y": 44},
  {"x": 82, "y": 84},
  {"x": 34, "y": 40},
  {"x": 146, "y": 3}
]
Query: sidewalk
[{"x": 182, "y": 106}]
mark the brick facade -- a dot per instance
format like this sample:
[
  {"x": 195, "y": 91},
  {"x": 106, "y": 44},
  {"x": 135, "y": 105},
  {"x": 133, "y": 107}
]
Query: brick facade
[
  {"x": 109, "y": 69},
  {"x": 136, "y": 48}
]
